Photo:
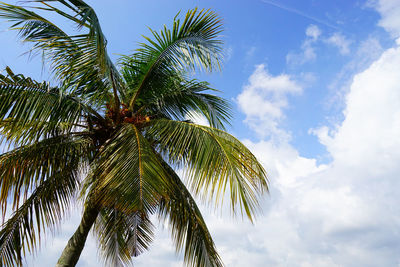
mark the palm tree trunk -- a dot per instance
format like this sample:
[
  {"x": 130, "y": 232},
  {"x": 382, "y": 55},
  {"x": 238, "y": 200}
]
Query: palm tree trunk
[{"x": 74, "y": 247}]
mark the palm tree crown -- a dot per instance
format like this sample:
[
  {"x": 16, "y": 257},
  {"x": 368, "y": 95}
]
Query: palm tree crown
[{"x": 114, "y": 138}]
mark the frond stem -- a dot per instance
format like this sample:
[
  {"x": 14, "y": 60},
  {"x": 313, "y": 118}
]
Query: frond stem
[{"x": 117, "y": 102}]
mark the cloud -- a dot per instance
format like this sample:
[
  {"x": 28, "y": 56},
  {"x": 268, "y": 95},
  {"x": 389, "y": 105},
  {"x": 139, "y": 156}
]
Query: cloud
[
  {"x": 313, "y": 37},
  {"x": 264, "y": 98},
  {"x": 375, "y": 96},
  {"x": 364, "y": 55},
  {"x": 344, "y": 213},
  {"x": 307, "y": 53},
  {"x": 340, "y": 41},
  {"x": 313, "y": 31},
  {"x": 390, "y": 15}
]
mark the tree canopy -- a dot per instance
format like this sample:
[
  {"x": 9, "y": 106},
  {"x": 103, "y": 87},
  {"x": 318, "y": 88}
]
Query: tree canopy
[{"x": 115, "y": 135}]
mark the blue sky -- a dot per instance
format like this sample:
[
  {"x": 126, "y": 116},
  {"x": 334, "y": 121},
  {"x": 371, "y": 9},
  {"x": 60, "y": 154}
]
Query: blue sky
[{"x": 315, "y": 87}]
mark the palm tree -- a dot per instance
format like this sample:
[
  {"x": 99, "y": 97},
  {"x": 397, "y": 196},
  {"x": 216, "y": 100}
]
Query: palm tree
[{"x": 115, "y": 139}]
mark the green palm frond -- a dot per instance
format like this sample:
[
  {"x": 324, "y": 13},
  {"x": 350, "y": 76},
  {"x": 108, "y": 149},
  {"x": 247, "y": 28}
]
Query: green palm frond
[
  {"x": 190, "y": 44},
  {"x": 123, "y": 235},
  {"x": 80, "y": 61},
  {"x": 26, "y": 167},
  {"x": 194, "y": 42},
  {"x": 45, "y": 207},
  {"x": 181, "y": 98},
  {"x": 215, "y": 160},
  {"x": 175, "y": 96},
  {"x": 130, "y": 176},
  {"x": 25, "y": 102},
  {"x": 32, "y": 131},
  {"x": 85, "y": 17},
  {"x": 30, "y": 25},
  {"x": 189, "y": 231}
]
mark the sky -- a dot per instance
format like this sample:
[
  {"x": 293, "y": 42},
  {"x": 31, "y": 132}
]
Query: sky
[{"x": 315, "y": 89}]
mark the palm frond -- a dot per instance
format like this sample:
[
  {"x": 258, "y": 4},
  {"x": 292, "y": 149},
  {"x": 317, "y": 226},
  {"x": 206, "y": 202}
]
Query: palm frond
[
  {"x": 45, "y": 207},
  {"x": 31, "y": 26},
  {"x": 85, "y": 16},
  {"x": 25, "y": 102},
  {"x": 190, "y": 44},
  {"x": 189, "y": 231},
  {"x": 189, "y": 97},
  {"x": 215, "y": 160},
  {"x": 129, "y": 174},
  {"x": 26, "y": 167},
  {"x": 14, "y": 132},
  {"x": 175, "y": 96},
  {"x": 80, "y": 61},
  {"x": 123, "y": 235}
]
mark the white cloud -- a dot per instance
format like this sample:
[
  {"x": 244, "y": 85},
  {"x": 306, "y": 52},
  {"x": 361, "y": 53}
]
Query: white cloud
[
  {"x": 307, "y": 53},
  {"x": 313, "y": 37},
  {"x": 340, "y": 41},
  {"x": 313, "y": 31},
  {"x": 345, "y": 213},
  {"x": 364, "y": 55},
  {"x": 372, "y": 114},
  {"x": 264, "y": 98},
  {"x": 390, "y": 15}
]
